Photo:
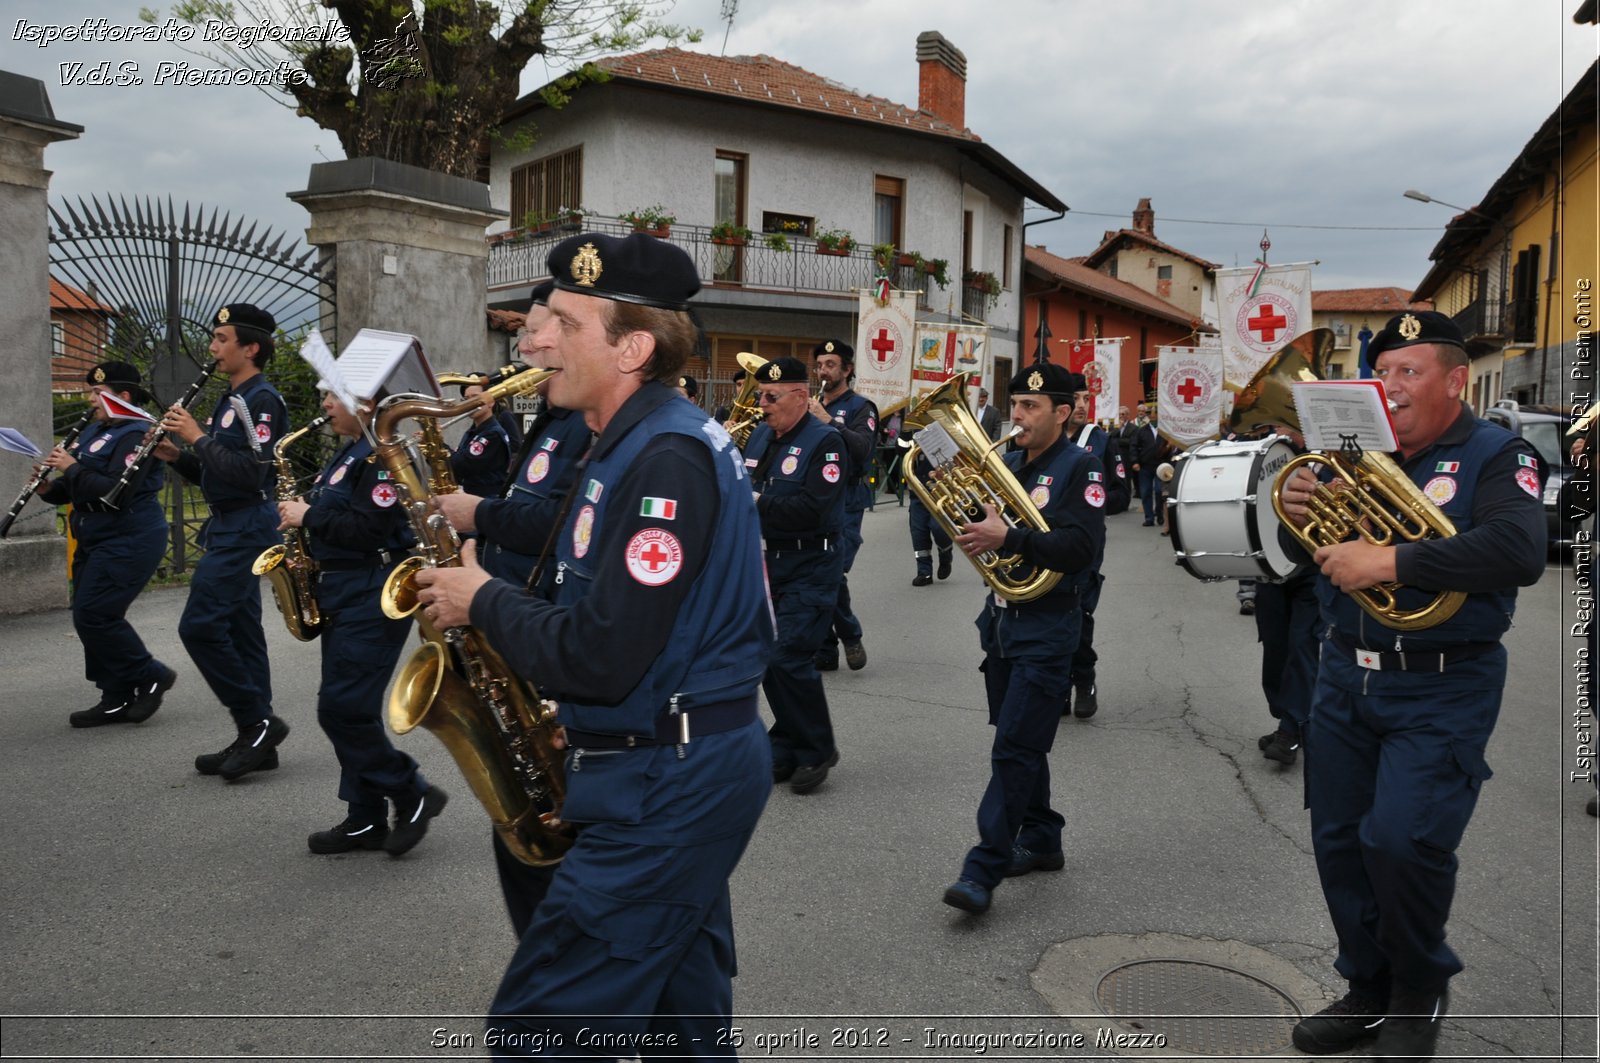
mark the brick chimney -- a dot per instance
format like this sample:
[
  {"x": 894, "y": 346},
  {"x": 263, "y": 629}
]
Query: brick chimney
[
  {"x": 941, "y": 79},
  {"x": 1144, "y": 218}
]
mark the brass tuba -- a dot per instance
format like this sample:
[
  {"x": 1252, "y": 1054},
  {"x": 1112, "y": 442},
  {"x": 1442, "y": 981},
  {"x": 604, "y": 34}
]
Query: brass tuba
[
  {"x": 746, "y": 410},
  {"x": 496, "y": 726},
  {"x": 1371, "y": 495},
  {"x": 974, "y": 477},
  {"x": 289, "y": 567}
]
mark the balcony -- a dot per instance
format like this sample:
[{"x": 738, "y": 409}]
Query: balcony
[
  {"x": 1480, "y": 322},
  {"x": 517, "y": 260}
]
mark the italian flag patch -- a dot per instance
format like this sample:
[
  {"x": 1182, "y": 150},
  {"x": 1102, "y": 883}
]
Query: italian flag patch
[
  {"x": 663, "y": 508},
  {"x": 1527, "y": 461},
  {"x": 1447, "y": 466}
]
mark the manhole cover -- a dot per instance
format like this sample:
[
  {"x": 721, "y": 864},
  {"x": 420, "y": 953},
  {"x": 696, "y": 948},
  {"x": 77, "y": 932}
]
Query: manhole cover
[{"x": 1199, "y": 1008}]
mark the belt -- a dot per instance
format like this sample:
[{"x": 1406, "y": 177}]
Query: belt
[
  {"x": 352, "y": 564},
  {"x": 1390, "y": 661},
  {"x": 779, "y": 545},
  {"x": 236, "y": 505},
  {"x": 674, "y": 728}
]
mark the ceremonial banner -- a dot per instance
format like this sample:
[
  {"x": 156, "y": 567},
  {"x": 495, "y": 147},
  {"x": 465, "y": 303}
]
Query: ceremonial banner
[
  {"x": 1100, "y": 362},
  {"x": 1260, "y": 308},
  {"x": 1189, "y": 393},
  {"x": 884, "y": 347},
  {"x": 942, "y": 352}
]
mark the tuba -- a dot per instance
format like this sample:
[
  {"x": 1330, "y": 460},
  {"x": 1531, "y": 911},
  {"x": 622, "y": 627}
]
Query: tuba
[
  {"x": 746, "y": 409},
  {"x": 974, "y": 477},
  {"x": 1371, "y": 495},
  {"x": 496, "y": 726},
  {"x": 288, "y": 566}
]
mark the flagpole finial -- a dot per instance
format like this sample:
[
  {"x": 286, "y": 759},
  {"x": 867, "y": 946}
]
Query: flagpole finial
[{"x": 1266, "y": 245}]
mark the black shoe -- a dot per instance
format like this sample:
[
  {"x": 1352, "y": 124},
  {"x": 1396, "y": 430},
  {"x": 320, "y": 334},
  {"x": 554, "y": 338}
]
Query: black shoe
[
  {"x": 353, "y": 833},
  {"x": 827, "y": 660},
  {"x": 781, "y": 772},
  {"x": 1411, "y": 1031},
  {"x": 1247, "y": 608},
  {"x": 1087, "y": 701},
  {"x": 1066, "y": 706},
  {"x": 147, "y": 696},
  {"x": 855, "y": 655},
  {"x": 1281, "y": 747},
  {"x": 411, "y": 821},
  {"x": 1024, "y": 860},
  {"x": 1347, "y": 1022},
  {"x": 1148, "y": 523},
  {"x": 968, "y": 896},
  {"x": 808, "y": 777},
  {"x": 249, "y": 753},
  {"x": 111, "y": 708},
  {"x": 922, "y": 579},
  {"x": 944, "y": 563},
  {"x": 211, "y": 763}
]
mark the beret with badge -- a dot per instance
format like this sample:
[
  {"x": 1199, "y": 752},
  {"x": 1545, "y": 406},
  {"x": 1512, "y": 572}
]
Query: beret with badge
[
  {"x": 118, "y": 376},
  {"x": 785, "y": 370},
  {"x": 846, "y": 353},
  {"x": 246, "y": 316},
  {"x": 1046, "y": 378},
  {"x": 1414, "y": 327},
  {"x": 630, "y": 269}
]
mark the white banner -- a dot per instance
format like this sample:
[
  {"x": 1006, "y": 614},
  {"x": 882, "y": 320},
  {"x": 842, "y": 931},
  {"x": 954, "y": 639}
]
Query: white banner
[
  {"x": 1189, "y": 393},
  {"x": 885, "y": 350},
  {"x": 1256, "y": 323},
  {"x": 1100, "y": 362}
]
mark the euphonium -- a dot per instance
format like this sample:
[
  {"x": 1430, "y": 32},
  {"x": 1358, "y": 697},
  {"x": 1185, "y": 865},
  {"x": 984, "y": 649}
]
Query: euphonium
[
  {"x": 495, "y": 725},
  {"x": 746, "y": 410},
  {"x": 973, "y": 478},
  {"x": 1371, "y": 495},
  {"x": 289, "y": 567}
]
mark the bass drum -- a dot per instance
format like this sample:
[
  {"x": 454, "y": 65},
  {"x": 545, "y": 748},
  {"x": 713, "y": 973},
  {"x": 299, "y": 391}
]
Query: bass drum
[{"x": 1220, "y": 512}]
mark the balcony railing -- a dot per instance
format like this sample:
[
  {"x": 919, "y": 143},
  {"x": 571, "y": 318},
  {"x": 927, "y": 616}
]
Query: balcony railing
[
  {"x": 520, "y": 259},
  {"x": 1479, "y": 320}
]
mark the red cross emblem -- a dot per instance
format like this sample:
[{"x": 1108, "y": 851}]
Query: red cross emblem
[
  {"x": 383, "y": 495},
  {"x": 1190, "y": 390},
  {"x": 654, "y": 557},
  {"x": 1267, "y": 322},
  {"x": 882, "y": 345},
  {"x": 882, "y": 337}
]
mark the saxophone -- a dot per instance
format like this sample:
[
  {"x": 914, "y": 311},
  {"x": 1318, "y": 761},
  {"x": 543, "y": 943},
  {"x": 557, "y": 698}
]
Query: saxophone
[
  {"x": 289, "y": 566},
  {"x": 496, "y": 726}
]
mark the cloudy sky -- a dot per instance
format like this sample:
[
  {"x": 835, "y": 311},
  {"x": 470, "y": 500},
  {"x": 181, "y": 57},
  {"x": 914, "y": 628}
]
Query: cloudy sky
[{"x": 1306, "y": 117}]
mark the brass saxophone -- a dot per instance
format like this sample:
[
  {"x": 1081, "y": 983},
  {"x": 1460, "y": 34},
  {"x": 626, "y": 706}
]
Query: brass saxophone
[
  {"x": 289, "y": 567},
  {"x": 496, "y": 725}
]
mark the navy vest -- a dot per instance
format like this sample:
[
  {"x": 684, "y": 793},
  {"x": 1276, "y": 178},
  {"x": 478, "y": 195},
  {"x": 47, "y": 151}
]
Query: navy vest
[
  {"x": 562, "y": 441},
  {"x": 268, "y": 422},
  {"x": 351, "y": 482},
  {"x": 844, "y": 409},
  {"x": 106, "y": 447},
  {"x": 785, "y": 471}
]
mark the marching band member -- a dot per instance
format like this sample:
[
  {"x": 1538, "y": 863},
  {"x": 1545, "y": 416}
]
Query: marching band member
[
  {"x": 654, "y": 647},
  {"x": 1028, "y": 647},
  {"x": 116, "y": 553},
  {"x": 357, "y": 535},
  {"x": 856, "y": 419},
  {"x": 231, "y": 459},
  {"x": 483, "y": 454}
]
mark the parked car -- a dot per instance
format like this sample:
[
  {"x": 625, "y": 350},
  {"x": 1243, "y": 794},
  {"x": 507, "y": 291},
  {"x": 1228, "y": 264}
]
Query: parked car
[{"x": 1546, "y": 428}]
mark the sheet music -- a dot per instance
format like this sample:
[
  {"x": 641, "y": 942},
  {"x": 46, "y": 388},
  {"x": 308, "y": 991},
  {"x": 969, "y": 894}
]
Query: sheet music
[
  {"x": 377, "y": 359},
  {"x": 1339, "y": 414},
  {"x": 937, "y": 445},
  {"x": 17, "y": 443}
]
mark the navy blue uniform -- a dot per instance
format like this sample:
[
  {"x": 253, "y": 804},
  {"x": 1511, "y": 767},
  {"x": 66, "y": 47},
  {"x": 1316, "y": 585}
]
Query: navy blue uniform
[
  {"x": 479, "y": 461},
  {"x": 857, "y": 422},
  {"x": 358, "y": 533},
  {"x": 926, "y": 533},
  {"x": 1093, "y": 439},
  {"x": 516, "y": 525},
  {"x": 1290, "y": 632},
  {"x": 1028, "y": 657},
  {"x": 654, "y": 647},
  {"x": 221, "y": 624},
  {"x": 117, "y": 552},
  {"x": 1395, "y": 744},
  {"x": 801, "y": 477}
]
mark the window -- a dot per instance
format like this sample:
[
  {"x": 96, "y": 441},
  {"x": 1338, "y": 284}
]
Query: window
[
  {"x": 1525, "y": 296},
  {"x": 888, "y": 210},
  {"x": 966, "y": 241},
  {"x": 1111, "y": 270},
  {"x": 1341, "y": 332},
  {"x": 546, "y": 185},
  {"x": 728, "y": 179},
  {"x": 1005, "y": 260},
  {"x": 58, "y": 340},
  {"x": 788, "y": 224},
  {"x": 1163, "y": 273}
]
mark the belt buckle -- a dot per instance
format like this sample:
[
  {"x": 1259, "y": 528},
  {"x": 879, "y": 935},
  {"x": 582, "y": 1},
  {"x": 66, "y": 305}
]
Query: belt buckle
[{"x": 1371, "y": 660}]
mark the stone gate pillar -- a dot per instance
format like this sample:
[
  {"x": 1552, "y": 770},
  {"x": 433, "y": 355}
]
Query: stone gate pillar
[{"x": 33, "y": 558}]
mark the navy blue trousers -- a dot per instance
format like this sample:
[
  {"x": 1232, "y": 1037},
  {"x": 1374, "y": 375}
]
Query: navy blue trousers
[
  {"x": 843, "y": 624},
  {"x": 1392, "y": 782},
  {"x": 1084, "y": 658},
  {"x": 925, "y": 534},
  {"x": 1288, "y": 626},
  {"x": 106, "y": 578},
  {"x": 221, "y": 629},
  {"x": 803, "y": 599}
]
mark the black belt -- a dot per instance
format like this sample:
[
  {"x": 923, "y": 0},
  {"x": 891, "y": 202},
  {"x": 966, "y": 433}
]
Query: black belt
[
  {"x": 236, "y": 505},
  {"x": 1390, "y": 661},
  {"x": 782, "y": 545},
  {"x": 674, "y": 728},
  {"x": 352, "y": 564},
  {"x": 95, "y": 506}
]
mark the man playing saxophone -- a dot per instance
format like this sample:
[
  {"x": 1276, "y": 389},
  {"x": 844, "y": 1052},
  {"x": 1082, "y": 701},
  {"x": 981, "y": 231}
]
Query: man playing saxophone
[
  {"x": 654, "y": 648},
  {"x": 1399, "y": 719},
  {"x": 1028, "y": 646},
  {"x": 358, "y": 535}
]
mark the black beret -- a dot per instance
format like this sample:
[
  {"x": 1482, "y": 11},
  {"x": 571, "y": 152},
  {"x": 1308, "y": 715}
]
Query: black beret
[
  {"x": 845, "y": 352},
  {"x": 1414, "y": 327},
  {"x": 631, "y": 269},
  {"x": 1045, "y": 378},
  {"x": 540, "y": 295},
  {"x": 118, "y": 376},
  {"x": 786, "y": 370},
  {"x": 1077, "y": 382},
  {"x": 689, "y": 384},
  {"x": 244, "y": 314}
]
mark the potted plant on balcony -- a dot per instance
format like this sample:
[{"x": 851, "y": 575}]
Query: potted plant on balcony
[
  {"x": 777, "y": 241},
  {"x": 835, "y": 242},
  {"x": 727, "y": 232},
  {"x": 984, "y": 281},
  {"x": 938, "y": 269},
  {"x": 656, "y": 220},
  {"x": 884, "y": 253},
  {"x": 565, "y": 219},
  {"x": 910, "y": 258}
]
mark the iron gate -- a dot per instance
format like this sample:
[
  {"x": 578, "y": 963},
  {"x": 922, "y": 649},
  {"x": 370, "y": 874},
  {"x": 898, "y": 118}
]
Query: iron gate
[{"x": 136, "y": 283}]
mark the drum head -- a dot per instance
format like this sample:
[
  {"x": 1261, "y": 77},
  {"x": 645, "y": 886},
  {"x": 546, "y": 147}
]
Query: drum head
[{"x": 1223, "y": 525}]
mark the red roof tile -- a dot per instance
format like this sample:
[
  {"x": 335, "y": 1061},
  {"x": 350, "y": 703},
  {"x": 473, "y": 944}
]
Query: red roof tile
[
  {"x": 1075, "y": 273},
  {"x": 1107, "y": 245},
  {"x": 66, "y": 297},
  {"x": 1365, "y": 300}
]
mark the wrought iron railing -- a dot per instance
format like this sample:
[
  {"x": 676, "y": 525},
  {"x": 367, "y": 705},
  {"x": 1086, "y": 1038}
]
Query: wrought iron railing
[{"x": 1479, "y": 319}]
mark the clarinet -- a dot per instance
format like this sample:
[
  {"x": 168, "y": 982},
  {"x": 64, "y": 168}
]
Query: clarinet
[
  {"x": 141, "y": 457},
  {"x": 37, "y": 482}
]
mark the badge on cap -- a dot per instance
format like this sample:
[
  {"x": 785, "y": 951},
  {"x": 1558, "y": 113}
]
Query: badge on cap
[
  {"x": 99, "y": 375},
  {"x": 773, "y": 372},
  {"x": 1410, "y": 327},
  {"x": 222, "y": 316},
  {"x": 1035, "y": 380},
  {"x": 586, "y": 267},
  {"x": 827, "y": 348}
]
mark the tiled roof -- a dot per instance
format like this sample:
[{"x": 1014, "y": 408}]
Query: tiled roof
[
  {"x": 1365, "y": 300},
  {"x": 66, "y": 297},
  {"x": 1076, "y": 274},
  {"x": 1109, "y": 244},
  {"x": 763, "y": 79}
]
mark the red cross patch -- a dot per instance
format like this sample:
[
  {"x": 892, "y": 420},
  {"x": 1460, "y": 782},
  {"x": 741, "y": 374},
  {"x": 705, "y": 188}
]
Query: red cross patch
[
  {"x": 654, "y": 557},
  {"x": 263, "y": 433},
  {"x": 475, "y": 448},
  {"x": 1528, "y": 480},
  {"x": 830, "y": 473},
  {"x": 383, "y": 495},
  {"x": 129, "y": 459},
  {"x": 1095, "y": 495}
]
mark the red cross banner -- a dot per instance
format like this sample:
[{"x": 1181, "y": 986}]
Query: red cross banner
[
  {"x": 885, "y": 347},
  {"x": 1100, "y": 362},
  {"x": 1189, "y": 393},
  {"x": 1256, "y": 324}
]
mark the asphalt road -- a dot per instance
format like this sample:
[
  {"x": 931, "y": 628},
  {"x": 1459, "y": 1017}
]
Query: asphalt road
[{"x": 152, "y": 912}]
